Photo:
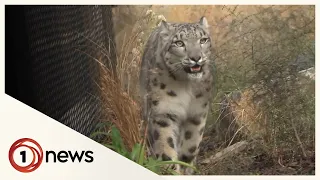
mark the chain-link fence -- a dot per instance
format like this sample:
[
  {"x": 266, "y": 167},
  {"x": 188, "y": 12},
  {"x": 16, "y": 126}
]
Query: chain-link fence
[{"x": 50, "y": 60}]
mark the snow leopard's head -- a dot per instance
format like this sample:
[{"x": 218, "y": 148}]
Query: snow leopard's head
[{"x": 186, "y": 47}]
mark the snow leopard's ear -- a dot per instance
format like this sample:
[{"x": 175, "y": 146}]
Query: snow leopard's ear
[
  {"x": 204, "y": 22},
  {"x": 164, "y": 29},
  {"x": 164, "y": 26}
]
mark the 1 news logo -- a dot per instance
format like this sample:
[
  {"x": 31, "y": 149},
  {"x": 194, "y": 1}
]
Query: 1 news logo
[{"x": 26, "y": 155}]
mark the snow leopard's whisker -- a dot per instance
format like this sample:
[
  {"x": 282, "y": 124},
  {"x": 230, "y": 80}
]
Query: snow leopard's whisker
[{"x": 177, "y": 68}]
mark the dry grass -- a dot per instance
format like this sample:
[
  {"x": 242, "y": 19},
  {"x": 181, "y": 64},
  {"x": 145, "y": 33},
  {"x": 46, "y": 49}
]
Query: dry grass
[
  {"x": 120, "y": 94},
  {"x": 246, "y": 113},
  {"x": 120, "y": 88},
  {"x": 119, "y": 108}
]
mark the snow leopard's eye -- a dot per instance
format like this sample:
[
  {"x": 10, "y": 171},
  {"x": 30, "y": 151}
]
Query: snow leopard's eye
[
  {"x": 204, "y": 40},
  {"x": 179, "y": 43}
]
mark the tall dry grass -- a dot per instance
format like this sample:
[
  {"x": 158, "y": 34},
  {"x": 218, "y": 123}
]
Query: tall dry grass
[
  {"x": 119, "y": 108},
  {"x": 119, "y": 88}
]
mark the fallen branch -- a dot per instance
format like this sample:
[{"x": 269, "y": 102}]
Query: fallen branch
[{"x": 227, "y": 152}]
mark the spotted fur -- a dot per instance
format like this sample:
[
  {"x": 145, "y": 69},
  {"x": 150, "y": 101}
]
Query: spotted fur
[{"x": 175, "y": 83}]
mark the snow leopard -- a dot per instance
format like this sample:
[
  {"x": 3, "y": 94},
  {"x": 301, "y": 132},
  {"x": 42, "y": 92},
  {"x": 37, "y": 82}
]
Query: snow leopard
[{"x": 175, "y": 85}]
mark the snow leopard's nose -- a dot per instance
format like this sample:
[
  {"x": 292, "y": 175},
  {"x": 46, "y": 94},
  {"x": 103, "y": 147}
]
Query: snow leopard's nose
[{"x": 195, "y": 58}]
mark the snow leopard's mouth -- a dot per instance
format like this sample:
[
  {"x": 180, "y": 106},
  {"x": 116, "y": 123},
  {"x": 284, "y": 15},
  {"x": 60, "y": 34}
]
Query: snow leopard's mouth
[{"x": 194, "y": 69}]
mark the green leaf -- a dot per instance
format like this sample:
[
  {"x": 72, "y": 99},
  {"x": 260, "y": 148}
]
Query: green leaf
[
  {"x": 117, "y": 141},
  {"x": 162, "y": 163},
  {"x": 141, "y": 155},
  {"x": 97, "y": 134},
  {"x": 135, "y": 152},
  {"x": 109, "y": 146},
  {"x": 151, "y": 165}
]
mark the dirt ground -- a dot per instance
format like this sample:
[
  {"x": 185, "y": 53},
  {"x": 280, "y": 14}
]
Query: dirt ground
[{"x": 252, "y": 160}]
